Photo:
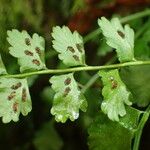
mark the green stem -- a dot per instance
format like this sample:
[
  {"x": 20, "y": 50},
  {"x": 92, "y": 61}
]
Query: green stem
[
  {"x": 123, "y": 20},
  {"x": 90, "y": 82},
  {"x": 96, "y": 76},
  {"x": 91, "y": 35},
  {"x": 142, "y": 30},
  {"x": 140, "y": 128},
  {"x": 136, "y": 16},
  {"x": 85, "y": 68}
]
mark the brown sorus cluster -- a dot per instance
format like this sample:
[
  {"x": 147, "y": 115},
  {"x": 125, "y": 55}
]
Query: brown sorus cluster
[
  {"x": 24, "y": 94},
  {"x": 12, "y": 95},
  {"x": 16, "y": 86},
  {"x": 27, "y": 41},
  {"x": 36, "y": 62},
  {"x": 67, "y": 81},
  {"x": 29, "y": 53}
]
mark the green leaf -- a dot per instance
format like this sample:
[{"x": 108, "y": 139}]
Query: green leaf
[
  {"x": 47, "y": 138},
  {"x": 15, "y": 99},
  {"x": 2, "y": 67},
  {"x": 122, "y": 39},
  {"x": 137, "y": 80},
  {"x": 115, "y": 95},
  {"x": 68, "y": 98},
  {"x": 69, "y": 46},
  {"x": 131, "y": 119},
  {"x": 105, "y": 134},
  {"x": 29, "y": 51}
]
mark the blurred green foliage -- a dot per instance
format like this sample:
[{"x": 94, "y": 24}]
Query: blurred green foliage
[
  {"x": 48, "y": 138},
  {"x": 18, "y": 14}
]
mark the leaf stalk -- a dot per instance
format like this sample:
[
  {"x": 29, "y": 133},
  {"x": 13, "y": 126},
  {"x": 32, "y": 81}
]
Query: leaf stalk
[{"x": 76, "y": 69}]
